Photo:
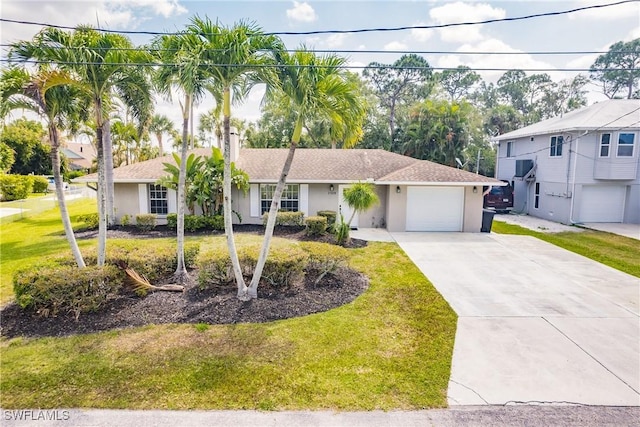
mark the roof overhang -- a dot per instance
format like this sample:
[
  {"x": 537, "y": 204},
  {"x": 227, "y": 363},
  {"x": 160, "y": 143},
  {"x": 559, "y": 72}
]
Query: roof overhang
[{"x": 444, "y": 183}]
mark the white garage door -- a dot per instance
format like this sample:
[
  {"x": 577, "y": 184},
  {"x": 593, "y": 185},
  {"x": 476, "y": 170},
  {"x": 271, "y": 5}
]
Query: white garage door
[
  {"x": 435, "y": 208},
  {"x": 602, "y": 203}
]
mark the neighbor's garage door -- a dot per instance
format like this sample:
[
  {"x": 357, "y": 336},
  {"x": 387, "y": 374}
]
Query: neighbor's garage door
[
  {"x": 602, "y": 203},
  {"x": 435, "y": 208}
]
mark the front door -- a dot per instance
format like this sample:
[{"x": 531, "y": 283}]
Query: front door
[{"x": 344, "y": 209}]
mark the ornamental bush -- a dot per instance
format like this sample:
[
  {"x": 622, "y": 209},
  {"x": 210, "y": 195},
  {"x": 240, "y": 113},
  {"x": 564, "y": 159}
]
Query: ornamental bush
[
  {"x": 52, "y": 289},
  {"x": 146, "y": 222},
  {"x": 331, "y": 218},
  {"x": 40, "y": 184},
  {"x": 15, "y": 187},
  {"x": 197, "y": 222},
  {"x": 287, "y": 219},
  {"x": 316, "y": 225},
  {"x": 324, "y": 258},
  {"x": 90, "y": 220}
]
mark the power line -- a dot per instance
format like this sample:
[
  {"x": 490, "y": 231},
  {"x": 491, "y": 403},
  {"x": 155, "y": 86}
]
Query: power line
[
  {"x": 354, "y": 31},
  {"x": 353, "y": 67}
]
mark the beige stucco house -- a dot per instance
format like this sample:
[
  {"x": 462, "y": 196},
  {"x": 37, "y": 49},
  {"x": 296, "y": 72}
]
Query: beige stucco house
[{"x": 415, "y": 195}]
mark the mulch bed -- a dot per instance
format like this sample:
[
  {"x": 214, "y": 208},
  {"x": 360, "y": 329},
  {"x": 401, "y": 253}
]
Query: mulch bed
[{"x": 212, "y": 306}]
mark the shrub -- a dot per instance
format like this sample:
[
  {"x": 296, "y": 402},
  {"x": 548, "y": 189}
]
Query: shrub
[
  {"x": 284, "y": 267},
  {"x": 316, "y": 225},
  {"x": 342, "y": 231},
  {"x": 40, "y": 184},
  {"x": 68, "y": 176},
  {"x": 324, "y": 258},
  {"x": 15, "y": 187},
  {"x": 51, "y": 289},
  {"x": 331, "y": 218},
  {"x": 216, "y": 222},
  {"x": 90, "y": 220},
  {"x": 146, "y": 222},
  {"x": 288, "y": 219},
  {"x": 125, "y": 220},
  {"x": 172, "y": 221}
]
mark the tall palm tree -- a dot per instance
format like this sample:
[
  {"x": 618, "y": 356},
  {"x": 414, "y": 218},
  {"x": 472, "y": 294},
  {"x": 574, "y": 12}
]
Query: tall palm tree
[
  {"x": 159, "y": 126},
  {"x": 60, "y": 105},
  {"x": 235, "y": 57},
  {"x": 181, "y": 70},
  {"x": 310, "y": 86},
  {"x": 98, "y": 64}
]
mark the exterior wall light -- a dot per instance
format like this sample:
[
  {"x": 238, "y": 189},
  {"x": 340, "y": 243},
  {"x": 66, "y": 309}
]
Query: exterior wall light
[
  {"x": 398, "y": 190},
  {"x": 475, "y": 189},
  {"x": 331, "y": 188}
]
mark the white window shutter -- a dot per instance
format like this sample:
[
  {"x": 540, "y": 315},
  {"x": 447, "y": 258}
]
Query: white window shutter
[
  {"x": 143, "y": 199},
  {"x": 172, "y": 200},
  {"x": 254, "y": 196},
  {"x": 304, "y": 199}
]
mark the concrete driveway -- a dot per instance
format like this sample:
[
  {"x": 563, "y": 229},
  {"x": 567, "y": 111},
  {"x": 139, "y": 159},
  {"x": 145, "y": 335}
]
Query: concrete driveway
[{"x": 536, "y": 323}]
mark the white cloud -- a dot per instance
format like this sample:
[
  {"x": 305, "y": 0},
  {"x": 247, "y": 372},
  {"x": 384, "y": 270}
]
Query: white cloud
[
  {"x": 395, "y": 45},
  {"x": 611, "y": 13},
  {"x": 335, "y": 40},
  {"x": 421, "y": 34},
  {"x": 165, "y": 8},
  {"x": 464, "y": 12},
  {"x": 302, "y": 12}
]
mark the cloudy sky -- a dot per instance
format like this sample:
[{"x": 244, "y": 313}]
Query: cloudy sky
[{"x": 591, "y": 30}]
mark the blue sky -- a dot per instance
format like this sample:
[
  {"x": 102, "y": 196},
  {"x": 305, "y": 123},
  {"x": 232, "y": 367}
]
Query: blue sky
[{"x": 582, "y": 31}]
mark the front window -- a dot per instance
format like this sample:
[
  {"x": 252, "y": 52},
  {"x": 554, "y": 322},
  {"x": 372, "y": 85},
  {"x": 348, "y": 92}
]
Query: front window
[
  {"x": 555, "y": 148},
  {"x": 510, "y": 149},
  {"x": 158, "y": 202},
  {"x": 605, "y": 144},
  {"x": 289, "y": 201},
  {"x": 625, "y": 144}
]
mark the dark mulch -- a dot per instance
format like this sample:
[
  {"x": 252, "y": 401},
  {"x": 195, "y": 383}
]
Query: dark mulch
[{"x": 220, "y": 306}]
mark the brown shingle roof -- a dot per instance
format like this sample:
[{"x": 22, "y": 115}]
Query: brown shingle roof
[{"x": 315, "y": 165}]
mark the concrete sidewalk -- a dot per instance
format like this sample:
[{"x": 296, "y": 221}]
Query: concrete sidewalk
[
  {"x": 458, "y": 416},
  {"x": 536, "y": 323}
]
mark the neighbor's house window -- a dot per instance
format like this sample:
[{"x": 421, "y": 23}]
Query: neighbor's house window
[
  {"x": 605, "y": 143},
  {"x": 555, "y": 148},
  {"x": 158, "y": 202},
  {"x": 625, "y": 144},
  {"x": 536, "y": 196},
  {"x": 290, "y": 200},
  {"x": 510, "y": 149}
]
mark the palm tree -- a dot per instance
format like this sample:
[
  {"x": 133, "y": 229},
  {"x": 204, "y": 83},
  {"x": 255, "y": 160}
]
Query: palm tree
[
  {"x": 182, "y": 70},
  {"x": 310, "y": 86},
  {"x": 98, "y": 64},
  {"x": 159, "y": 126},
  {"x": 235, "y": 58},
  {"x": 60, "y": 105}
]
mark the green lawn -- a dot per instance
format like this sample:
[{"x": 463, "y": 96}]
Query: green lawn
[
  {"x": 613, "y": 250},
  {"x": 389, "y": 349}
]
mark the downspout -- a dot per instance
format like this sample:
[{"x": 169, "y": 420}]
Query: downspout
[{"x": 573, "y": 188}]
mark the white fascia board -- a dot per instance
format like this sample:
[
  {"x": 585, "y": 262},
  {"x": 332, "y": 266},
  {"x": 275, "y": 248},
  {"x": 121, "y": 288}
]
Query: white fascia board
[{"x": 443, "y": 184}]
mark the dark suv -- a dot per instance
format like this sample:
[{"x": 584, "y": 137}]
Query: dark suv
[{"x": 499, "y": 198}]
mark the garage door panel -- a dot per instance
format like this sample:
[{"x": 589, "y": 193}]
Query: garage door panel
[
  {"x": 602, "y": 203},
  {"x": 435, "y": 208}
]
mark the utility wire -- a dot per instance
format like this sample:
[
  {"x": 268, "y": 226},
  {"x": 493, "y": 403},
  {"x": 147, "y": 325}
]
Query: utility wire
[{"x": 354, "y": 31}]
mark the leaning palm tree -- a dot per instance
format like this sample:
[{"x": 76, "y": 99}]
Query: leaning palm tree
[
  {"x": 60, "y": 106},
  {"x": 159, "y": 126},
  {"x": 181, "y": 70},
  {"x": 236, "y": 58},
  {"x": 98, "y": 64},
  {"x": 310, "y": 86}
]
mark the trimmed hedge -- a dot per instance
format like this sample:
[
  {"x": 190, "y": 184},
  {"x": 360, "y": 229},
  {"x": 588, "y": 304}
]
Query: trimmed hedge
[
  {"x": 90, "y": 220},
  {"x": 324, "y": 258},
  {"x": 197, "y": 222},
  {"x": 316, "y": 225},
  {"x": 331, "y": 217},
  {"x": 287, "y": 219},
  {"x": 40, "y": 184},
  {"x": 146, "y": 222},
  {"x": 15, "y": 187},
  {"x": 52, "y": 289}
]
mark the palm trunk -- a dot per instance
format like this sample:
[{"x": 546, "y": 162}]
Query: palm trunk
[
  {"x": 226, "y": 201},
  {"x": 62, "y": 204},
  {"x": 160, "y": 151},
  {"x": 181, "y": 270},
  {"x": 102, "y": 214},
  {"x": 108, "y": 172},
  {"x": 273, "y": 211}
]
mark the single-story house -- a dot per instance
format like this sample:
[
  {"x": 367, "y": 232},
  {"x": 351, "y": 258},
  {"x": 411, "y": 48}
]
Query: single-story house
[
  {"x": 577, "y": 168},
  {"x": 79, "y": 156},
  {"x": 415, "y": 195}
]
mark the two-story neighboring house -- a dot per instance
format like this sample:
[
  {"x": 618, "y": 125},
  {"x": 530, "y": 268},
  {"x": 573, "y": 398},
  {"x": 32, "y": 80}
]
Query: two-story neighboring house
[{"x": 578, "y": 168}]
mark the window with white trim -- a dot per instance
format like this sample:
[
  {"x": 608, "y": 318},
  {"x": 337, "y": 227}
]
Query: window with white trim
[
  {"x": 289, "y": 202},
  {"x": 605, "y": 144},
  {"x": 626, "y": 141},
  {"x": 510, "y": 149},
  {"x": 158, "y": 200},
  {"x": 555, "y": 147}
]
